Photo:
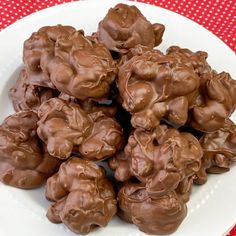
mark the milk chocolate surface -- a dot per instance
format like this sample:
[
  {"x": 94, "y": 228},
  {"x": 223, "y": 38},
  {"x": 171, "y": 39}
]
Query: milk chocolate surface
[
  {"x": 104, "y": 140},
  {"x": 26, "y": 96},
  {"x": 196, "y": 60},
  {"x": 179, "y": 87},
  {"x": 216, "y": 96},
  {"x": 157, "y": 216},
  {"x": 84, "y": 198},
  {"x": 44, "y": 40},
  {"x": 124, "y": 27},
  {"x": 65, "y": 127},
  {"x": 219, "y": 149},
  {"x": 91, "y": 106},
  {"x": 154, "y": 86},
  {"x": 161, "y": 159},
  {"x": 80, "y": 67},
  {"x": 215, "y": 103},
  {"x": 23, "y": 162}
]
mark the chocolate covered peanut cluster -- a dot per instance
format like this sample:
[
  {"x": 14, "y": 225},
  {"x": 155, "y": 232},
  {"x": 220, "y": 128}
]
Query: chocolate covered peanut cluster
[
  {"x": 66, "y": 128},
  {"x": 152, "y": 215},
  {"x": 165, "y": 162},
  {"x": 215, "y": 99},
  {"x": 84, "y": 198},
  {"x": 219, "y": 149},
  {"x": 124, "y": 27},
  {"x": 179, "y": 87},
  {"x": 44, "y": 40},
  {"x": 26, "y": 96},
  {"x": 161, "y": 159},
  {"x": 80, "y": 67},
  {"x": 24, "y": 162},
  {"x": 154, "y": 86}
]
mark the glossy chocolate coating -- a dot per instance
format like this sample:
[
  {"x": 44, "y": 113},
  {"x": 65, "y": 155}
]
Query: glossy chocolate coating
[
  {"x": 196, "y": 60},
  {"x": 61, "y": 126},
  {"x": 90, "y": 106},
  {"x": 121, "y": 164},
  {"x": 23, "y": 163},
  {"x": 154, "y": 86},
  {"x": 80, "y": 67},
  {"x": 65, "y": 127},
  {"x": 219, "y": 151},
  {"x": 124, "y": 27},
  {"x": 215, "y": 103},
  {"x": 26, "y": 96},
  {"x": 216, "y": 99},
  {"x": 84, "y": 198},
  {"x": 44, "y": 40},
  {"x": 161, "y": 159},
  {"x": 158, "y": 216},
  {"x": 104, "y": 140},
  {"x": 184, "y": 188},
  {"x": 138, "y": 50}
]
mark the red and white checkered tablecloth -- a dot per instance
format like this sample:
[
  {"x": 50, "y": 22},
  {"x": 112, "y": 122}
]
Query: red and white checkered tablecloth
[{"x": 218, "y": 16}]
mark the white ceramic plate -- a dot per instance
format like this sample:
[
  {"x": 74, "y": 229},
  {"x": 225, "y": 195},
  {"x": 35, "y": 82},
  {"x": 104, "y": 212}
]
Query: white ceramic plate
[{"x": 212, "y": 208}]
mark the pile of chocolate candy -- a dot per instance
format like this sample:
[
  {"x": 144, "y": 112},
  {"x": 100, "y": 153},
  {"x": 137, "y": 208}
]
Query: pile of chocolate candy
[{"x": 160, "y": 121}]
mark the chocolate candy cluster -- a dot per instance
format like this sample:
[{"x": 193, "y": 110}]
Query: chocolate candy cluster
[
  {"x": 24, "y": 160},
  {"x": 165, "y": 162},
  {"x": 84, "y": 198},
  {"x": 160, "y": 121},
  {"x": 124, "y": 27}
]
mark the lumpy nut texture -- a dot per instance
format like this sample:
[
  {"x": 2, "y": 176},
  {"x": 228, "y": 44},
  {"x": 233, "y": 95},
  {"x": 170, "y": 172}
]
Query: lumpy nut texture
[
  {"x": 215, "y": 103},
  {"x": 23, "y": 163},
  {"x": 219, "y": 151},
  {"x": 216, "y": 96},
  {"x": 61, "y": 126},
  {"x": 124, "y": 27},
  {"x": 84, "y": 198},
  {"x": 105, "y": 139},
  {"x": 160, "y": 215},
  {"x": 26, "y": 96},
  {"x": 44, "y": 40},
  {"x": 91, "y": 106},
  {"x": 80, "y": 66},
  {"x": 65, "y": 128},
  {"x": 195, "y": 60},
  {"x": 162, "y": 160},
  {"x": 179, "y": 87},
  {"x": 154, "y": 86}
]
